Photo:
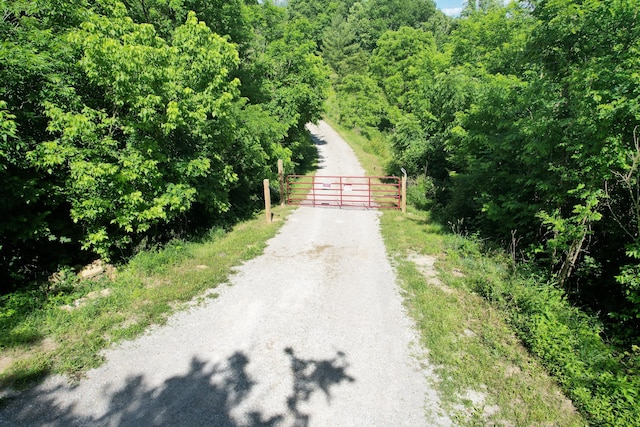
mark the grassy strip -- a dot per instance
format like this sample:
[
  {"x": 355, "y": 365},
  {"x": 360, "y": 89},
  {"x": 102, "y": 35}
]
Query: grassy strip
[
  {"x": 373, "y": 155},
  {"x": 53, "y": 335},
  {"x": 486, "y": 377}
]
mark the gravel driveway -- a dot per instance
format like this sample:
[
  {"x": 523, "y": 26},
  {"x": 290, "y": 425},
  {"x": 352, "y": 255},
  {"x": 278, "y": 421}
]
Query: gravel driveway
[{"x": 312, "y": 332}]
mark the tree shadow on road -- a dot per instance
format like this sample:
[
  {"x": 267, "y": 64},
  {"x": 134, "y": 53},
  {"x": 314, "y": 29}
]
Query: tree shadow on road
[
  {"x": 317, "y": 140},
  {"x": 319, "y": 159},
  {"x": 311, "y": 376},
  {"x": 205, "y": 396}
]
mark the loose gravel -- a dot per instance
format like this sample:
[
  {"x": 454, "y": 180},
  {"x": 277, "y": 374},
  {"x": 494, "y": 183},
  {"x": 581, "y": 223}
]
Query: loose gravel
[{"x": 311, "y": 333}]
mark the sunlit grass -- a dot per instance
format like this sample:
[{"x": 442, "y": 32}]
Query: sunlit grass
[
  {"x": 486, "y": 377},
  {"x": 145, "y": 292}
]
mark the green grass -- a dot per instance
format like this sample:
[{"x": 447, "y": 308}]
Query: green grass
[
  {"x": 485, "y": 375},
  {"x": 39, "y": 336},
  {"x": 476, "y": 352}
]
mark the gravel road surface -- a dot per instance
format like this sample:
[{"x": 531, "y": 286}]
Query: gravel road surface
[{"x": 311, "y": 333}]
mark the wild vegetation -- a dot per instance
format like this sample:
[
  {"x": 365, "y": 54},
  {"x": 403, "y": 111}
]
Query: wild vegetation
[
  {"x": 520, "y": 120},
  {"x": 518, "y": 125},
  {"x": 124, "y": 124}
]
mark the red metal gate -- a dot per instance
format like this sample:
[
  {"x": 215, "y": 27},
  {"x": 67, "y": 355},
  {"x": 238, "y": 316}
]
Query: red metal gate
[{"x": 379, "y": 192}]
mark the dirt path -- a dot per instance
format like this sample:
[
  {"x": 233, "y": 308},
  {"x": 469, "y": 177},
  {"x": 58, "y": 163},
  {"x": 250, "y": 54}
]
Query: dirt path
[{"x": 312, "y": 332}]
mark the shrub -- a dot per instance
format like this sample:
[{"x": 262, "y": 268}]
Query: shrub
[{"x": 602, "y": 380}]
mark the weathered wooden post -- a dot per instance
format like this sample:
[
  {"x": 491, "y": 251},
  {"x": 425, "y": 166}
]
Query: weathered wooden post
[
  {"x": 281, "y": 181},
  {"x": 267, "y": 200},
  {"x": 403, "y": 196}
]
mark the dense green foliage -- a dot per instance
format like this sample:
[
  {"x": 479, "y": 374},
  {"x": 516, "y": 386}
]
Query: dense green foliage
[
  {"x": 519, "y": 123},
  {"x": 123, "y": 122},
  {"x": 602, "y": 383},
  {"x": 524, "y": 119}
]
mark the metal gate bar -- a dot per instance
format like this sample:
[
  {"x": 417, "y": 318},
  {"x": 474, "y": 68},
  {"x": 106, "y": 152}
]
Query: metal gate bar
[{"x": 376, "y": 192}]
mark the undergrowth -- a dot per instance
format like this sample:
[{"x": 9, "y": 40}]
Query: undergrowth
[
  {"x": 485, "y": 375},
  {"x": 602, "y": 381}
]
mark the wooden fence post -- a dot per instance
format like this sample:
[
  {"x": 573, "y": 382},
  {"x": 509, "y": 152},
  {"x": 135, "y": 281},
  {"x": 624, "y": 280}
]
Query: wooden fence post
[
  {"x": 267, "y": 200},
  {"x": 403, "y": 201},
  {"x": 281, "y": 181}
]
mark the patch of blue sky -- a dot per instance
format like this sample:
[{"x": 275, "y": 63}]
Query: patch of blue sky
[{"x": 450, "y": 7}]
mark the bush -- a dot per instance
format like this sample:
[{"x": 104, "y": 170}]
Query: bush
[
  {"x": 420, "y": 192},
  {"x": 602, "y": 380}
]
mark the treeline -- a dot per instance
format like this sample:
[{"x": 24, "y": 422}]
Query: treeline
[
  {"x": 517, "y": 122},
  {"x": 519, "y": 125},
  {"x": 126, "y": 122}
]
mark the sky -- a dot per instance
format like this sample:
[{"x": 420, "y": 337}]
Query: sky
[{"x": 450, "y": 7}]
